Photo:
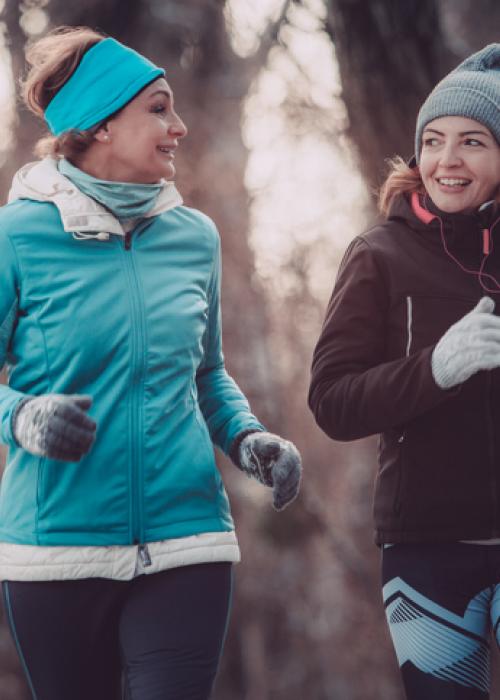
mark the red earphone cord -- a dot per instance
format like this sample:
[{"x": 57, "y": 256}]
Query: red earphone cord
[{"x": 426, "y": 217}]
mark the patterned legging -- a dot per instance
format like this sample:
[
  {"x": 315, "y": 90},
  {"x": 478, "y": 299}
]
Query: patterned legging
[{"x": 442, "y": 603}]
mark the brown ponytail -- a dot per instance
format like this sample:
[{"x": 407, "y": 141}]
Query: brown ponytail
[
  {"x": 52, "y": 61},
  {"x": 400, "y": 180}
]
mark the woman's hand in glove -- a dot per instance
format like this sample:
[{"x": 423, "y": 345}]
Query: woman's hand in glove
[
  {"x": 55, "y": 426},
  {"x": 274, "y": 462},
  {"x": 470, "y": 345}
]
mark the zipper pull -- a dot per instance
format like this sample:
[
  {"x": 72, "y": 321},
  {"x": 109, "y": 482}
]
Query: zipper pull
[
  {"x": 128, "y": 240},
  {"x": 144, "y": 555},
  {"x": 486, "y": 241}
]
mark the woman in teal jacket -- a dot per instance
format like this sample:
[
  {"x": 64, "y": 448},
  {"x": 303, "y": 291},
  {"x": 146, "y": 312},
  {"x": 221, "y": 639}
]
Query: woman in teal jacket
[{"x": 116, "y": 538}]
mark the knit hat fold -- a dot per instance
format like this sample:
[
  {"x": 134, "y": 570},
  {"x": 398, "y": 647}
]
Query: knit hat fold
[{"x": 471, "y": 90}]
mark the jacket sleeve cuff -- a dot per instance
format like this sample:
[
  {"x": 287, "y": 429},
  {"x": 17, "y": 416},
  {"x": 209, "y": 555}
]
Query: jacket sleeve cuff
[
  {"x": 234, "y": 450},
  {"x": 10, "y": 402}
]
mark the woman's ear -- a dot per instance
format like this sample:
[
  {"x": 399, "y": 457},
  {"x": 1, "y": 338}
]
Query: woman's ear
[{"x": 103, "y": 134}]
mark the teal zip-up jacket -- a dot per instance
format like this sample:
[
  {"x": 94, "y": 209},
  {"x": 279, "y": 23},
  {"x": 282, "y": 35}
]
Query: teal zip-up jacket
[{"x": 134, "y": 321}]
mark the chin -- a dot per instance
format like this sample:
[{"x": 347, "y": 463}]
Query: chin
[
  {"x": 168, "y": 173},
  {"x": 449, "y": 208},
  {"x": 452, "y": 207},
  {"x": 165, "y": 171}
]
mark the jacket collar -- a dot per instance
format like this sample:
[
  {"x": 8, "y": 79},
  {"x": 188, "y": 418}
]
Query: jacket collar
[
  {"x": 41, "y": 181},
  {"x": 463, "y": 231}
]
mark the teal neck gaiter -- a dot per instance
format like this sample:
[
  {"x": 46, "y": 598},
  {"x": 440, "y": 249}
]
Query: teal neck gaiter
[{"x": 125, "y": 200}]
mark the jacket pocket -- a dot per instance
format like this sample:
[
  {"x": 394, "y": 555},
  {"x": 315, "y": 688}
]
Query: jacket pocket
[
  {"x": 206, "y": 439},
  {"x": 399, "y": 479},
  {"x": 428, "y": 317},
  {"x": 389, "y": 483}
]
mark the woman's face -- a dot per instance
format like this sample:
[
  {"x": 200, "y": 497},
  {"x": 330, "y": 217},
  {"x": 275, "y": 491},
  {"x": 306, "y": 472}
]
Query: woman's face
[
  {"x": 141, "y": 140},
  {"x": 459, "y": 164}
]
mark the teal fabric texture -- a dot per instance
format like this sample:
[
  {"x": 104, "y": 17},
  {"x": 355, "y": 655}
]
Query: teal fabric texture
[
  {"x": 139, "y": 330},
  {"x": 126, "y": 200},
  {"x": 108, "y": 76}
]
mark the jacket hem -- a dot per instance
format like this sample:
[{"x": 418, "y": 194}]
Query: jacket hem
[
  {"x": 382, "y": 537},
  {"x": 32, "y": 563}
]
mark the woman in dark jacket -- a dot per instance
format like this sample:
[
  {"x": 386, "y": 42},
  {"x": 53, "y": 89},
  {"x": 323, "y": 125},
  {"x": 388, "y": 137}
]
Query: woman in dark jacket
[{"x": 410, "y": 349}]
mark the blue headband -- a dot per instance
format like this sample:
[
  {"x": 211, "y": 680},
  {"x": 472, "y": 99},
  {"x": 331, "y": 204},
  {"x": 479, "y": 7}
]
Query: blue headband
[{"x": 108, "y": 76}]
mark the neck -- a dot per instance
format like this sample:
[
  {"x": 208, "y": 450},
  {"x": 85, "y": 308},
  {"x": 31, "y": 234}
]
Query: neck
[{"x": 95, "y": 161}]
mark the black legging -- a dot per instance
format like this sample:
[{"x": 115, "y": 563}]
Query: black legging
[
  {"x": 442, "y": 602},
  {"x": 159, "y": 636}
]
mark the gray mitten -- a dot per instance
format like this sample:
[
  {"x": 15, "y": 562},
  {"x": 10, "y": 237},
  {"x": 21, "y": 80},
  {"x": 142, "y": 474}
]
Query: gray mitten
[
  {"x": 470, "y": 345},
  {"x": 55, "y": 426},
  {"x": 274, "y": 462}
]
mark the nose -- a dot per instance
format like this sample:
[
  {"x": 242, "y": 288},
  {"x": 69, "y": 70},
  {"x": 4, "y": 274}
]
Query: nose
[
  {"x": 177, "y": 127},
  {"x": 450, "y": 156}
]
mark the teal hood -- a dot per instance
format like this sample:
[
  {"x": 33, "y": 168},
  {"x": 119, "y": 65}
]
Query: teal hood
[{"x": 133, "y": 319}]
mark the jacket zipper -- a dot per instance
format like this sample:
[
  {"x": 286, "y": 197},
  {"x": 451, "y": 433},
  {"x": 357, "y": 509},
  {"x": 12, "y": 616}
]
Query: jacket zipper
[
  {"x": 401, "y": 438},
  {"x": 145, "y": 555},
  {"x": 491, "y": 450},
  {"x": 138, "y": 336}
]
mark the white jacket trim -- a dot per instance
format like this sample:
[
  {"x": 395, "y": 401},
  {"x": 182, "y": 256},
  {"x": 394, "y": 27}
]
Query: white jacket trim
[
  {"x": 21, "y": 562},
  {"x": 43, "y": 182}
]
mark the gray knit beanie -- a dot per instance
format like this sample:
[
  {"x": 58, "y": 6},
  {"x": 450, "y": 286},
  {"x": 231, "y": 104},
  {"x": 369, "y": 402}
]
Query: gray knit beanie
[{"x": 471, "y": 90}]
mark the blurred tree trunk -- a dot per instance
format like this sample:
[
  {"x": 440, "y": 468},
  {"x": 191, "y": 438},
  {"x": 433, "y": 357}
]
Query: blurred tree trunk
[
  {"x": 390, "y": 55},
  {"x": 469, "y": 25}
]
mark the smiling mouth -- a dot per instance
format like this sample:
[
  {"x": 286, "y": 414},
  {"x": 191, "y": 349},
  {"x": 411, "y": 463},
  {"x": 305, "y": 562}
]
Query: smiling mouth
[
  {"x": 453, "y": 181},
  {"x": 166, "y": 151}
]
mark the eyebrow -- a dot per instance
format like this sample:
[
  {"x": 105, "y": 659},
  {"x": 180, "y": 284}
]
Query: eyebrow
[
  {"x": 167, "y": 94},
  {"x": 461, "y": 133}
]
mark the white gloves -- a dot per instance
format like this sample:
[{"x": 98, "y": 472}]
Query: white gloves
[
  {"x": 274, "y": 462},
  {"x": 470, "y": 345},
  {"x": 55, "y": 426}
]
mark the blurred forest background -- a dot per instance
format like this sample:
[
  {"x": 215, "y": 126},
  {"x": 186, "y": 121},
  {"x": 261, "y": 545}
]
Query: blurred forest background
[{"x": 292, "y": 106}]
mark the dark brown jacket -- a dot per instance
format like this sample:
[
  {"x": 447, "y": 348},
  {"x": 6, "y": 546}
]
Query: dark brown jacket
[{"x": 397, "y": 292}]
